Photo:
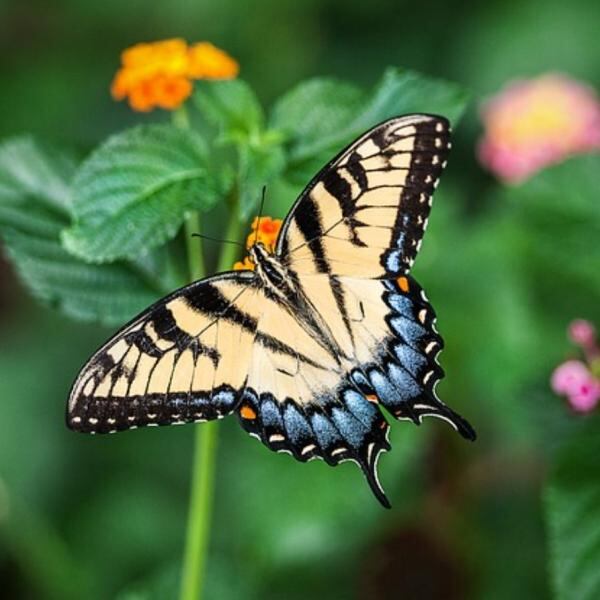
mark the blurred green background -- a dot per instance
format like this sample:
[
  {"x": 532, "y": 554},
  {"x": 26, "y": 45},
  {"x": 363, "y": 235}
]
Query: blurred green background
[{"x": 105, "y": 518}]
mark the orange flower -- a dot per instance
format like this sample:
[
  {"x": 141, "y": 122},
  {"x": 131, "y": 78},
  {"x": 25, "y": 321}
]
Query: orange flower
[
  {"x": 265, "y": 231},
  {"x": 160, "y": 74},
  {"x": 209, "y": 62}
]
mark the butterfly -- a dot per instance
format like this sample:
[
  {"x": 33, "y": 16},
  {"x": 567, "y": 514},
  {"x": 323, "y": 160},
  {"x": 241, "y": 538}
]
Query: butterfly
[{"x": 310, "y": 345}]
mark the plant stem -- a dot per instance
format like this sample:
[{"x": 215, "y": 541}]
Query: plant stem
[
  {"x": 205, "y": 442},
  {"x": 233, "y": 234},
  {"x": 203, "y": 466},
  {"x": 196, "y": 265},
  {"x": 200, "y": 511}
]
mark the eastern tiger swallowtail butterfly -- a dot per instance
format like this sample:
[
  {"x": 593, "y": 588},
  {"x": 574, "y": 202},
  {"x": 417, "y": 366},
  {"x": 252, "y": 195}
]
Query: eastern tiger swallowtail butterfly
[{"x": 306, "y": 348}]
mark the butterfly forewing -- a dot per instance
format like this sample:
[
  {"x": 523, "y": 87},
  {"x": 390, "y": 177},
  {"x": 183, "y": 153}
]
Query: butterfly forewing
[
  {"x": 184, "y": 359},
  {"x": 365, "y": 213}
]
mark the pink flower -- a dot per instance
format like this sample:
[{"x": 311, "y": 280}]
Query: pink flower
[
  {"x": 537, "y": 122},
  {"x": 586, "y": 397},
  {"x": 569, "y": 377},
  {"x": 582, "y": 333}
]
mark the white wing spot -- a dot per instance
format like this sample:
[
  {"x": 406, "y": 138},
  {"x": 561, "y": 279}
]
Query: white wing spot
[
  {"x": 277, "y": 437},
  {"x": 338, "y": 451},
  {"x": 308, "y": 449},
  {"x": 430, "y": 347}
]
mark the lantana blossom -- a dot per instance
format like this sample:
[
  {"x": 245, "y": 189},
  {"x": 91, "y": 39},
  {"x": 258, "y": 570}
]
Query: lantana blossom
[
  {"x": 160, "y": 74},
  {"x": 579, "y": 380},
  {"x": 264, "y": 230},
  {"x": 533, "y": 123}
]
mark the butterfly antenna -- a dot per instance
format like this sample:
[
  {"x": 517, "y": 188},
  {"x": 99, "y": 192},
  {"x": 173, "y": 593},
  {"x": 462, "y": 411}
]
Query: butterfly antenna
[
  {"x": 212, "y": 239},
  {"x": 260, "y": 212}
]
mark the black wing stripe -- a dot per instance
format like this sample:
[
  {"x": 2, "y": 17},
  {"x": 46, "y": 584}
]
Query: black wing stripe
[{"x": 310, "y": 225}]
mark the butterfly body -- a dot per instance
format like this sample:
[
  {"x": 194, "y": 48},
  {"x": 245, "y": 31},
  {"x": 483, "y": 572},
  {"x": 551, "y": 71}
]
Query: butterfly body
[{"x": 309, "y": 346}]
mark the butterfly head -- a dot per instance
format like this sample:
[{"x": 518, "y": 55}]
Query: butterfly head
[
  {"x": 258, "y": 253},
  {"x": 269, "y": 268}
]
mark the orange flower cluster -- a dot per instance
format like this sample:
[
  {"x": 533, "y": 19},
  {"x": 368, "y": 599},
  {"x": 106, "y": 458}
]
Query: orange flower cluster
[
  {"x": 266, "y": 231},
  {"x": 160, "y": 74}
]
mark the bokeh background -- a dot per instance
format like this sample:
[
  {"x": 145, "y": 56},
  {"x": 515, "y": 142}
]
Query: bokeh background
[{"x": 105, "y": 518}]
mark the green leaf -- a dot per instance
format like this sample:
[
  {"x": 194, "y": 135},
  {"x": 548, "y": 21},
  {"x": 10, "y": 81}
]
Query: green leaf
[
  {"x": 30, "y": 225},
  {"x": 133, "y": 192},
  {"x": 572, "y": 502},
  {"x": 403, "y": 92},
  {"x": 232, "y": 106},
  {"x": 315, "y": 108},
  {"x": 258, "y": 166},
  {"x": 397, "y": 93},
  {"x": 28, "y": 169}
]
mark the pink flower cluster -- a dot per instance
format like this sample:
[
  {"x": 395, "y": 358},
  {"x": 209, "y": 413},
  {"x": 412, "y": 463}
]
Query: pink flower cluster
[
  {"x": 579, "y": 380},
  {"x": 536, "y": 122}
]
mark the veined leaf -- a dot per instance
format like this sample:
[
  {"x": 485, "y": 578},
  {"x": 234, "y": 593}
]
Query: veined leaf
[
  {"x": 232, "y": 106},
  {"x": 339, "y": 113},
  {"x": 33, "y": 211},
  {"x": 572, "y": 502},
  {"x": 133, "y": 193},
  {"x": 398, "y": 93},
  {"x": 27, "y": 169},
  {"x": 259, "y": 165},
  {"x": 315, "y": 108}
]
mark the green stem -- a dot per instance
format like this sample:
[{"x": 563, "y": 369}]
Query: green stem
[
  {"x": 205, "y": 442},
  {"x": 196, "y": 265},
  {"x": 200, "y": 511},
  {"x": 203, "y": 466},
  {"x": 233, "y": 234}
]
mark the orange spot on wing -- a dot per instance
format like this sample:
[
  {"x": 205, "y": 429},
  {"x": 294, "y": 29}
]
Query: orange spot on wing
[
  {"x": 403, "y": 284},
  {"x": 248, "y": 413},
  {"x": 372, "y": 398}
]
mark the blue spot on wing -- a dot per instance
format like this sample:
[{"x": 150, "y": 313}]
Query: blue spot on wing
[
  {"x": 395, "y": 386},
  {"x": 408, "y": 330},
  {"x": 410, "y": 359},
  {"x": 327, "y": 435},
  {"x": 393, "y": 260},
  {"x": 270, "y": 415},
  {"x": 296, "y": 426},
  {"x": 401, "y": 304},
  {"x": 352, "y": 430},
  {"x": 224, "y": 400},
  {"x": 366, "y": 412}
]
